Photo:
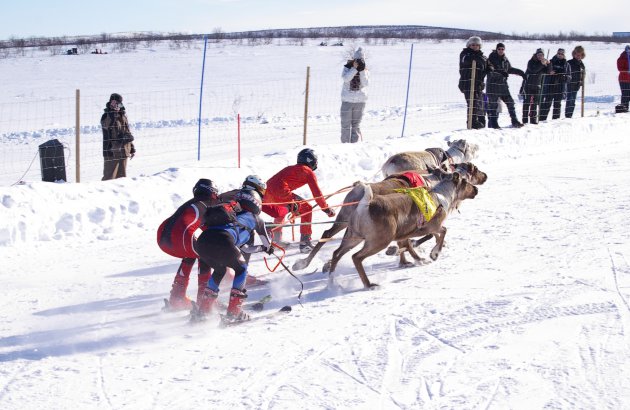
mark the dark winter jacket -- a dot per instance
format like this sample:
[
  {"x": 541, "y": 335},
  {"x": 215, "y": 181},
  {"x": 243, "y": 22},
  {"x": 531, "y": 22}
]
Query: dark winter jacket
[
  {"x": 466, "y": 57},
  {"x": 117, "y": 138},
  {"x": 562, "y": 71},
  {"x": 623, "y": 63},
  {"x": 497, "y": 80},
  {"x": 535, "y": 72},
  {"x": 577, "y": 74}
]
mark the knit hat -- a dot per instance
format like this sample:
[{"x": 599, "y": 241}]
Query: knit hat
[
  {"x": 500, "y": 45},
  {"x": 561, "y": 50},
  {"x": 540, "y": 51},
  {"x": 628, "y": 49},
  {"x": 359, "y": 54},
  {"x": 115, "y": 97}
]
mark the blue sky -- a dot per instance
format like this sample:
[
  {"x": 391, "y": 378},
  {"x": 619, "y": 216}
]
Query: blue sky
[{"x": 25, "y": 18}]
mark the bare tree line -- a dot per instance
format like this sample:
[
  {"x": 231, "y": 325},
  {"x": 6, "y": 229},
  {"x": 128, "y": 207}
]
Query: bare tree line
[{"x": 297, "y": 36}]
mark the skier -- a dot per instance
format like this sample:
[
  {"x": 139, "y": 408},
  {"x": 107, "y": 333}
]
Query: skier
[
  {"x": 222, "y": 247},
  {"x": 280, "y": 189},
  {"x": 497, "y": 87},
  {"x": 176, "y": 236},
  {"x": 251, "y": 181}
]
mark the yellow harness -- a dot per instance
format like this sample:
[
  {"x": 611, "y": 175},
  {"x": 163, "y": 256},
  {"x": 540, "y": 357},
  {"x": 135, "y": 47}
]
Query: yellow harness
[{"x": 423, "y": 200}]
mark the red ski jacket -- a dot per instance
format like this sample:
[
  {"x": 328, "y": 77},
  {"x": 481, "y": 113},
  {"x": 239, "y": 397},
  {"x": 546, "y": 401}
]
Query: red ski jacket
[
  {"x": 176, "y": 234},
  {"x": 281, "y": 186}
]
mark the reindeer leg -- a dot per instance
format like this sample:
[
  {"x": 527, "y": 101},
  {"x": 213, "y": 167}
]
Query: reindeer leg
[
  {"x": 404, "y": 246},
  {"x": 369, "y": 249},
  {"x": 347, "y": 244},
  {"x": 422, "y": 240},
  {"x": 439, "y": 241},
  {"x": 337, "y": 227}
]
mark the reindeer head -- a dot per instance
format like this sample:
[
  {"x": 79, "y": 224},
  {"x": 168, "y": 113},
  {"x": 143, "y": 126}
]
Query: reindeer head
[
  {"x": 468, "y": 150},
  {"x": 472, "y": 173},
  {"x": 463, "y": 188}
]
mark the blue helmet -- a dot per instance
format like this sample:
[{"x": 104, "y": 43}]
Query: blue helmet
[{"x": 307, "y": 157}]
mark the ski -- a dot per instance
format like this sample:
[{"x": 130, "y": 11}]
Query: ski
[
  {"x": 255, "y": 306},
  {"x": 227, "y": 322}
]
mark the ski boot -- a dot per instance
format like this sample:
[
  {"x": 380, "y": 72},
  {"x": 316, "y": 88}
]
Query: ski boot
[
  {"x": 178, "y": 299},
  {"x": 306, "y": 246},
  {"x": 235, "y": 307}
]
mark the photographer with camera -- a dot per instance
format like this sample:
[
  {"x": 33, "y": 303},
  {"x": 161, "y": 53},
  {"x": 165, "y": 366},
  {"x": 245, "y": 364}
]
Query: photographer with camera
[
  {"x": 353, "y": 96},
  {"x": 117, "y": 139}
]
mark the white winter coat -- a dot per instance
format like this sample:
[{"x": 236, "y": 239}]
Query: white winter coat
[{"x": 360, "y": 95}]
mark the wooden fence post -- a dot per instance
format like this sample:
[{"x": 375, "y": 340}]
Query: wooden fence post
[
  {"x": 471, "y": 98},
  {"x": 308, "y": 76}
]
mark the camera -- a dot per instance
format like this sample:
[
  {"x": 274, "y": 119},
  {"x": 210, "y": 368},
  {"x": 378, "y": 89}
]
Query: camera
[{"x": 360, "y": 64}]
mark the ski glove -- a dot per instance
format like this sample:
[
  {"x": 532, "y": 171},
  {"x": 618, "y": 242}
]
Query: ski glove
[
  {"x": 329, "y": 211},
  {"x": 293, "y": 207},
  {"x": 270, "y": 249}
]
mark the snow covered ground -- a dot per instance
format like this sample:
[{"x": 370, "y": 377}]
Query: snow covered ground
[{"x": 528, "y": 306}]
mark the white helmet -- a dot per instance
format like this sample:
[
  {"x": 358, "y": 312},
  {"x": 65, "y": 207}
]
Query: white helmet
[{"x": 254, "y": 181}]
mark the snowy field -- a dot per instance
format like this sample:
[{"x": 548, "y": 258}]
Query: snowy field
[{"x": 528, "y": 306}]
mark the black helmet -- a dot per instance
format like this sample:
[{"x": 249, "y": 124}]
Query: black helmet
[
  {"x": 307, "y": 157},
  {"x": 249, "y": 200},
  {"x": 254, "y": 182},
  {"x": 204, "y": 188}
]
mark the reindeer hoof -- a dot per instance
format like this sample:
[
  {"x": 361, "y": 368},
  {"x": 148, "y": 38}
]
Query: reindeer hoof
[
  {"x": 326, "y": 267},
  {"x": 434, "y": 255},
  {"x": 373, "y": 286},
  {"x": 301, "y": 264},
  {"x": 392, "y": 250},
  {"x": 406, "y": 264}
]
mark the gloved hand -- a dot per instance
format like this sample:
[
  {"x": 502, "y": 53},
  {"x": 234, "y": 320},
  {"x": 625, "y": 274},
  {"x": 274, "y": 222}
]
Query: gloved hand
[
  {"x": 293, "y": 207},
  {"x": 329, "y": 211},
  {"x": 270, "y": 249}
]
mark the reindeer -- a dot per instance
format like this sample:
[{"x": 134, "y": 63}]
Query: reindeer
[
  {"x": 379, "y": 220},
  {"x": 467, "y": 170},
  {"x": 459, "y": 151}
]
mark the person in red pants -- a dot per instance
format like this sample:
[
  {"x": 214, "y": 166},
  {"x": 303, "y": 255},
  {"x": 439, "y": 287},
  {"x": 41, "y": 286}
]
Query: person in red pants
[
  {"x": 279, "y": 199},
  {"x": 177, "y": 235}
]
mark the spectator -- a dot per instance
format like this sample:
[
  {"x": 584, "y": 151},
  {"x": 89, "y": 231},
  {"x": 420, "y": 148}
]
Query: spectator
[
  {"x": 117, "y": 139},
  {"x": 577, "y": 79},
  {"x": 555, "y": 86},
  {"x": 623, "y": 65},
  {"x": 471, "y": 53},
  {"x": 537, "y": 67},
  {"x": 497, "y": 87},
  {"x": 353, "y": 96}
]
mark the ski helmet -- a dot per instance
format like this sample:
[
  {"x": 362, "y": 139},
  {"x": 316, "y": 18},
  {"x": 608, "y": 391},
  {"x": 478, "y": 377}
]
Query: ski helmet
[
  {"x": 249, "y": 200},
  {"x": 307, "y": 157},
  {"x": 254, "y": 181},
  {"x": 204, "y": 188}
]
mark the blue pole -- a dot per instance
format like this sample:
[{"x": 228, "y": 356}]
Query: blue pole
[
  {"x": 203, "y": 69},
  {"x": 407, "y": 97}
]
